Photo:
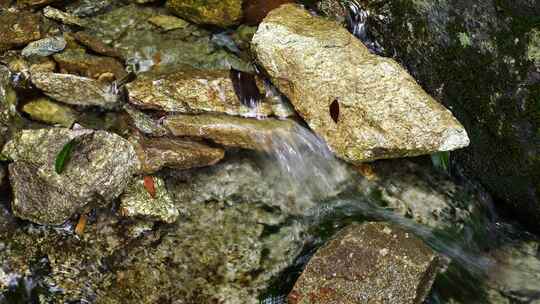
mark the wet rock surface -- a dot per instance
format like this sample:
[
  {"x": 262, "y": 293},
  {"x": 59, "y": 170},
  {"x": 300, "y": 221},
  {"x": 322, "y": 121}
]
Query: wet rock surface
[
  {"x": 77, "y": 90},
  {"x": 100, "y": 167},
  {"x": 44, "y": 47},
  {"x": 422, "y": 194},
  {"x": 158, "y": 153},
  {"x": 221, "y": 13},
  {"x": 18, "y": 29},
  {"x": 47, "y": 111},
  {"x": 478, "y": 59},
  {"x": 368, "y": 263},
  {"x": 192, "y": 92},
  {"x": 137, "y": 201},
  {"x": 78, "y": 62},
  {"x": 366, "y": 107},
  {"x": 227, "y": 130}
]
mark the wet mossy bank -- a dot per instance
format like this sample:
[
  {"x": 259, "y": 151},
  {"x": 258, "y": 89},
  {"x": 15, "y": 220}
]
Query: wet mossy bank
[{"x": 481, "y": 60}]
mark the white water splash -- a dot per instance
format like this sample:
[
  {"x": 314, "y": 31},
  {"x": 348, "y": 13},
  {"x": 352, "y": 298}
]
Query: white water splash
[{"x": 308, "y": 170}]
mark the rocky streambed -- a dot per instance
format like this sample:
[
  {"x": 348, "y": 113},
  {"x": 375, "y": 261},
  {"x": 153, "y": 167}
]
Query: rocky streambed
[{"x": 234, "y": 152}]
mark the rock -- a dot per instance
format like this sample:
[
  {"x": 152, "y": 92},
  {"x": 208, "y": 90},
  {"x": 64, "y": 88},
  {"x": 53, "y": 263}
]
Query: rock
[
  {"x": 422, "y": 194},
  {"x": 76, "y": 90},
  {"x": 80, "y": 63},
  {"x": 138, "y": 202},
  {"x": 145, "y": 123},
  {"x": 18, "y": 29},
  {"x": 519, "y": 269},
  {"x": 483, "y": 45},
  {"x": 47, "y": 111},
  {"x": 168, "y": 23},
  {"x": 146, "y": 47},
  {"x": 100, "y": 167},
  {"x": 44, "y": 47},
  {"x": 33, "y": 3},
  {"x": 256, "y": 10},
  {"x": 366, "y": 107},
  {"x": 368, "y": 263},
  {"x": 226, "y": 130},
  {"x": 227, "y": 255},
  {"x": 222, "y": 13},
  {"x": 96, "y": 45},
  {"x": 58, "y": 15},
  {"x": 157, "y": 153},
  {"x": 192, "y": 91}
]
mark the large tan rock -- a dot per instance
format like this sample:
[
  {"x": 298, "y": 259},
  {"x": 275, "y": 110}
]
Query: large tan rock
[
  {"x": 366, "y": 107},
  {"x": 369, "y": 263}
]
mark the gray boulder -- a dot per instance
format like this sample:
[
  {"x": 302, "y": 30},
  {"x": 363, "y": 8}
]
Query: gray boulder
[{"x": 366, "y": 107}]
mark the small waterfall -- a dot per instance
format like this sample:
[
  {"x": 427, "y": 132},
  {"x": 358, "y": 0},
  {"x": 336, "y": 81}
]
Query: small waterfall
[
  {"x": 308, "y": 171},
  {"x": 357, "y": 18}
]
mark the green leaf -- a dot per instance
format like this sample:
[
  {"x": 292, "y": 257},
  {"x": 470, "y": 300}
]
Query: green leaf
[
  {"x": 5, "y": 158},
  {"x": 441, "y": 160},
  {"x": 63, "y": 157}
]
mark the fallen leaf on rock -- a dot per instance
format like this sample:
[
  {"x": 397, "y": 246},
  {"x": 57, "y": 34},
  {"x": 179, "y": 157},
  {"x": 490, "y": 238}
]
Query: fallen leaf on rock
[
  {"x": 150, "y": 186},
  {"x": 64, "y": 156}
]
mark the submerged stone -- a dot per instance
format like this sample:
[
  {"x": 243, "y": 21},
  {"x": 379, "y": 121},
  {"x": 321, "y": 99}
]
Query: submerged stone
[
  {"x": 146, "y": 47},
  {"x": 99, "y": 168},
  {"x": 368, "y": 263},
  {"x": 76, "y": 90},
  {"x": 66, "y": 18},
  {"x": 78, "y": 62},
  {"x": 44, "y": 47},
  {"x": 230, "y": 131},
  {"x": 96, "y": 45},
  {"x": 48, "y": 111},
  {"x": 422, "y": 194},
  {"x": 193, "y": 91},
  {"x": 168, "y": 23},
  {"x": 223, "y": 13},
  {"x": 366, "y": 107},
  {"x": 18, "y": 29},
  {"x": 158, "y": 153},
  {"x": 138, "y": 202}
]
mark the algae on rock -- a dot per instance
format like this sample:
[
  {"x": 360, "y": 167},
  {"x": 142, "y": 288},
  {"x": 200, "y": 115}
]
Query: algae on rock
[{"x": 223, "y": 13}]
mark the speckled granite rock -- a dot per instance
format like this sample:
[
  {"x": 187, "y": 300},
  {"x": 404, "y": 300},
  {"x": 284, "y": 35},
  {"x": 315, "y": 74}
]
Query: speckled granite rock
[
  {"x": 100, "y": 167},
  {"x": 192, "y": 91},
  {"x": 368, "y": 263},
  {"x": 230, "y": 131},
  {"x": 366, "y": 107},
  {"x": 44, "y": 47},
  {"x": 138, "y": 202},
  {"x": 18, "y": 29},
  {"x": 48, "y": 111},
  {"x": 76, "y": 90},
  {"x": 158, "y": 153},
  {"x": 221, "y": 13}
]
